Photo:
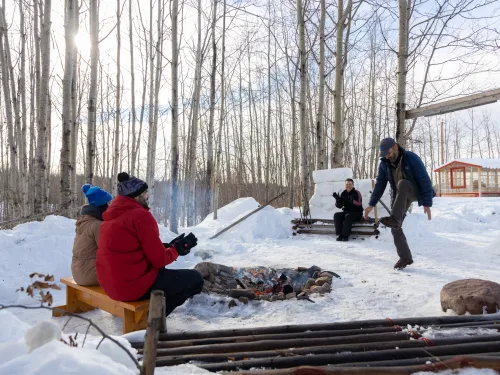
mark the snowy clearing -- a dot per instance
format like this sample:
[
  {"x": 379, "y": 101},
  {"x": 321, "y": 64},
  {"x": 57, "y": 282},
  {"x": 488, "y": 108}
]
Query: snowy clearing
[{"x": 461, "y": 241}]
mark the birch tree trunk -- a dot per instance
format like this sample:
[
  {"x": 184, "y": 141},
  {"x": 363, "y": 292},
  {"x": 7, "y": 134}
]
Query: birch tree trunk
[
  {"x": 150, "y": 162},
  {"x": 159, "y": 55},
  {"x": 92, "y": 101},
  {"x": 43, "y": 108},
  {"x": 268, "y": 127},
  {"x": 23, "y": 157},
  {"x": 48, "y": 156},
  {"x": 65, "y": 163},
  {"x": 193, "y": 139},
  {"x": 132, "y": 89},
  {"x": 174, "y": 148},
  {"x": 304, "y": 168},
  {"x": 292, "y": 86},
  {"x": 320, "y": 132},
  {"x": 217, "y": 174},
  {"x": 75, "y": 109},
  {"x": 116, "y": 157},
  {"x": 13, "y": 120},
  {"x": 404, "y": 11},
  {"x": 338, "y": 144},
  {"x": 210, "y": 134}
]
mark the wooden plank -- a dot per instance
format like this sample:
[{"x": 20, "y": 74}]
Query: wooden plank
[
  {"x": 332, "y": 233},
  {"x": 100, "y": 294},
  {"x": 486, "y": 97},
  {"x": 113, "y": 307},
  {"x": 329, "y": 221},
  {"x": 330, "y": 226}
]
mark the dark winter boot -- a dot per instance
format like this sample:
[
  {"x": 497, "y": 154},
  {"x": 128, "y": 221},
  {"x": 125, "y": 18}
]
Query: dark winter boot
[
  {"x": 390, "y": 221},
  {"x": 345, "y": 238},
  {"x": 400, "y": 264},
  {"x": 340, "y": 238}
]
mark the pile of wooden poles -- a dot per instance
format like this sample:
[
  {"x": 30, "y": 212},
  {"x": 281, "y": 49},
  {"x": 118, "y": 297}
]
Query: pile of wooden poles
[{"x": 360, "y": 344}]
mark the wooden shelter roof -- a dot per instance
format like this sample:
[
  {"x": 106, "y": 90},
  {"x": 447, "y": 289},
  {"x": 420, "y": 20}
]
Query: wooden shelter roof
[{"x": 473, "y": 162}]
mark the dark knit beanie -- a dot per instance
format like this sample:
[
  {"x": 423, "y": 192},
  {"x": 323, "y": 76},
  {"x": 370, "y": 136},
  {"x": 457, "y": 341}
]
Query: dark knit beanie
[{"x": 130, "y": 186}]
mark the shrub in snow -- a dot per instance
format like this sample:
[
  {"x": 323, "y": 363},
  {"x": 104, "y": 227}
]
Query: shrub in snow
[{"x": 41, "y": 334}]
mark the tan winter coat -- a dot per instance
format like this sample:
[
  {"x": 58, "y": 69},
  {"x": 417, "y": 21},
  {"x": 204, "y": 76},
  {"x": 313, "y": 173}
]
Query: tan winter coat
[{"x": 85, "y": 248}]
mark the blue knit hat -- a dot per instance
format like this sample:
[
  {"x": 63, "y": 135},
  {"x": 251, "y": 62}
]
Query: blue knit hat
[{"x": 95, "y": 195}]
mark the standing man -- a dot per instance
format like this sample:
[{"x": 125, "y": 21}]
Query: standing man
[
  {"x": 352, "y": 210},
  {"x": 409, "y": 182}
]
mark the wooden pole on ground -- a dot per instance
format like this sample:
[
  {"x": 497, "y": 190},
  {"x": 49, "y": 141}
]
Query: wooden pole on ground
[
  {"x": 155, "y": 318},
  {"x": 245, "y": 217},
  {"x": 453, "y": 363}
]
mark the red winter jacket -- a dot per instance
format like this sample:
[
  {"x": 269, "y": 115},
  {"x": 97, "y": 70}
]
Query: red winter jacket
[{"x": 130, "y": 251}]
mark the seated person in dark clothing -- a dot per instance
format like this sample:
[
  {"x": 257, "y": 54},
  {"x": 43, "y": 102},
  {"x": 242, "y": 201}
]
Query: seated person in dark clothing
[{"x": 352, "y": 210}]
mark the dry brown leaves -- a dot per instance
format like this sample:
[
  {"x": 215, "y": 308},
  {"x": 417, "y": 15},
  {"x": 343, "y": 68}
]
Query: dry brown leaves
[{"x": 45, "y": 297}]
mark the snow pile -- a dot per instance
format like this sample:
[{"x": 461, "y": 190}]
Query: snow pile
[
  {"x": 38, "y": 350},
  {"x": 41, "y": 334},
  {"x": 268, "y": 223},
  {"x": 328, "y": 181}
]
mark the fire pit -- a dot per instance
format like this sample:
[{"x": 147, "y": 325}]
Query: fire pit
[{"x": 265, "y": 283}]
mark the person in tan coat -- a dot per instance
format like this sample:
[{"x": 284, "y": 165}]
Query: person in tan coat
[{"x": 88, "y": 227}]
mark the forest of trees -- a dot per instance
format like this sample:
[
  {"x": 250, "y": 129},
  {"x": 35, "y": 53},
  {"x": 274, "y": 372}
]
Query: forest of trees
[{"x": 211, "y": 100}]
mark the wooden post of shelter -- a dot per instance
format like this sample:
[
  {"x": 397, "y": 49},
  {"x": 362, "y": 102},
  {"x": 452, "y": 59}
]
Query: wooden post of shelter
[
  {"x": 479, "y": 189},
  {"x": 472, "y": 179}
]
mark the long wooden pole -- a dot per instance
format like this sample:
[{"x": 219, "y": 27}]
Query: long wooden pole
[
  {"x": 417, "y": 365},
  {"x": 168, "y": 341},
  {"x": 349, "y": 325},
  {"x": 339, "y": 358},
  {"x": 246, "y": 216},
  {"x": 329, "y": 349}
]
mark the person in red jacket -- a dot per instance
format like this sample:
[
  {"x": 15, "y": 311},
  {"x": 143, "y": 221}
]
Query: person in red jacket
[{"x": 131, "y": 258}]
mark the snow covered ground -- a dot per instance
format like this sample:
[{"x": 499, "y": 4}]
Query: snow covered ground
[{"x": 461, "y": 241}]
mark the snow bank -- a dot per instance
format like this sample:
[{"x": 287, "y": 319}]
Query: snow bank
[
  {"x": 38, "y": 350},
  {"x": 57, "y": 358},
  {"x": 268, "y": 223}
]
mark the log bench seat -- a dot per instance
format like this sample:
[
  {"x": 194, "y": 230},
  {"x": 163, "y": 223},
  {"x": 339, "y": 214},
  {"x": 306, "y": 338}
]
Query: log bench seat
[{"x": 80, "y": 299}]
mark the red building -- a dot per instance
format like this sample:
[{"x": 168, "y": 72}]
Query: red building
[{"x": 469, "y": 178}]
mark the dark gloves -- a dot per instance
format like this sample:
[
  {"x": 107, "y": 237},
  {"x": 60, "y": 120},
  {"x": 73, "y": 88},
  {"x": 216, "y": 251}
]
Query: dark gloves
[
  {"x": 336, "y": 196},
  {"x": 183, "y": 244}
]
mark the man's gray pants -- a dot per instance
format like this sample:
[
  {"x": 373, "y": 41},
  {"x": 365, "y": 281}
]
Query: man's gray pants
[{"x": 406, "y": 194}]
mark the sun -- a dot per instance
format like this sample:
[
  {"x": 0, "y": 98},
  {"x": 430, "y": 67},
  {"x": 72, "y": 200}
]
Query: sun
[{"x": 82, "y": 41}]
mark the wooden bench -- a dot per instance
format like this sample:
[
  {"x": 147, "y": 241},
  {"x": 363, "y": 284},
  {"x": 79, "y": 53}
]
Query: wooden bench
[{"x": 80, "y": 299}]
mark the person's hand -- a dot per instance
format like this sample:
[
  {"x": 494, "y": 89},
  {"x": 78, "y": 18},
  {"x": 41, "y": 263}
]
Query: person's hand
[
  {"x": 427, "y": 210},
  {"x": 168, "y": 244},
  {"x": 367, "y": 211},
  {"x": 336, "y": 196},
  {"x": 184, "y": 244}
]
